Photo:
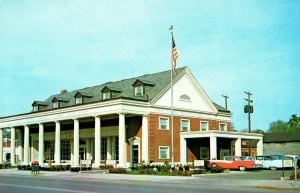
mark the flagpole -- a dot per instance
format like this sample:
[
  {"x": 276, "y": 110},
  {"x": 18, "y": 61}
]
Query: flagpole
[{"x": 172, "y": 113}]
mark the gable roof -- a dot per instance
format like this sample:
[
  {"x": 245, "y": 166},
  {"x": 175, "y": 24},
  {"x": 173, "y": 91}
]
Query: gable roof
[
  {"x": 158, "y": 82},
  {"x": 281, "y": 137}
]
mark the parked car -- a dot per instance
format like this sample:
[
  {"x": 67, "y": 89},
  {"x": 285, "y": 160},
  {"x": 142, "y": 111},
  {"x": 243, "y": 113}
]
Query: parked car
[
  {"x": 234, "y": 162},
  {"x": 274, "y": 161}
]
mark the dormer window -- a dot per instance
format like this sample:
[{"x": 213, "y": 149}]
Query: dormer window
[
  {"x": 78, "y": 100},
  {"x": 35, "y": 108},
  {"x": 142, "y": 87},
  {"x": 82, "y": 97},
  {"x": 39, "y": 106},
  {"x": 139, "y": 90},
  {"x": 55, "y": 104},
  {"x": 106, "y": 95},
  {"x": 110, "y": 92}
]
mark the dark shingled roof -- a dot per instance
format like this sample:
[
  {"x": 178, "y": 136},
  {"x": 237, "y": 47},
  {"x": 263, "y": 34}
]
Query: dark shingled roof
[
  {"x": 158, "y": 82},
  {"x": 281, "y": 137},
  {"x": 220, "y": 108}
]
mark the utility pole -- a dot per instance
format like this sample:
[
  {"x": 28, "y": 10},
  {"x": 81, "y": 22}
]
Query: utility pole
[
  {"x": 226, "y": 97},
  {"x": 249, "y": 109}
]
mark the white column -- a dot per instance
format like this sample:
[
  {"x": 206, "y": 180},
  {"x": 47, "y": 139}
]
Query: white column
[
  {"x": 26, "y": 145},
  {"x": 97, "y": 141},
  {"x": 21, "y": 145},
  {"x": 238, "y": 147},
  {"x": 13, "y": 146},
  {"x": 76, "y": 142},
  {"x": 1, "y": 145},
  {"x": 213, "y": 147},
  {"x": 145, "y": 143},
  {"x": 108, "y": 148},
  {"x": 57, "y": 143},
  {"x": 183, "y": 153},
  {"x": 41, "y": 144},
  {"x": 259, "y": 150},
  {"x": 122, "y": 143}
]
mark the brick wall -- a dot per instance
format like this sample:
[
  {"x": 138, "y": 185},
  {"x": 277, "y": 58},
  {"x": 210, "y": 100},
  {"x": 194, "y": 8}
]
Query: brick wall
[{"x": 158, "y": 137}]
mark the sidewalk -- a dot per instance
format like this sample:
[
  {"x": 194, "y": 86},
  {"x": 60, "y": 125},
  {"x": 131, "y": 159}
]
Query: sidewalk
[{"x": 197, "y": 179}]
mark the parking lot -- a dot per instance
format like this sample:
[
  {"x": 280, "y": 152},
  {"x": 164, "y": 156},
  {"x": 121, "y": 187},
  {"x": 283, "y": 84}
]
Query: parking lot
[{"x": 257, "y": 174}]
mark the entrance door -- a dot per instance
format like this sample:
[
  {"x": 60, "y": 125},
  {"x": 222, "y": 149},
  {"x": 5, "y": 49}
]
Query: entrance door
[{"x": 135, "y": 155}]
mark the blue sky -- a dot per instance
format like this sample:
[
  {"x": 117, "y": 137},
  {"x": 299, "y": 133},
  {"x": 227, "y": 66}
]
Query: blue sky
[{"x": 230, "y": 47}]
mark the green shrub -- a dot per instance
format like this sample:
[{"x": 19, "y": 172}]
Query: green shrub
[
  {"x": 117, "y": 170},
  {"x": 106, "y": 167}
]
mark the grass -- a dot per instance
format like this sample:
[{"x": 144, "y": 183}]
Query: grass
[{"x": 137, "y": 172}]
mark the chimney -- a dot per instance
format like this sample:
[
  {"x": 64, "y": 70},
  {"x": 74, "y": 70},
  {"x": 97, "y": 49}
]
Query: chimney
[{"x": 64, "y": 91}]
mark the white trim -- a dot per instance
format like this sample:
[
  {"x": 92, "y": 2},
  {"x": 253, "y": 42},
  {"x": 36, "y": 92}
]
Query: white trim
[
  {"x": 189, "y": 125},
  {"x": 136, "y": 93},
  {"x": 201, "y": 125},
  {"x": 168, "y": 123},
  {"x": 223, "y": 134},
  {"x": 145, "y": 140},
  {"x": 196, "y": 85},
  {"x": 168, "y": 153},
  {"x": 103, "y": 108}
]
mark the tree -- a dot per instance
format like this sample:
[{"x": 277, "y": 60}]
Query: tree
[
  {"x": 279, "y": 127},
  {"x": 258, "y": 131},
  {"x": 294, "y": 123}
]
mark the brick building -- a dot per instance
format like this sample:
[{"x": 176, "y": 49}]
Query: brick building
[{"x": 126, "y": 122}]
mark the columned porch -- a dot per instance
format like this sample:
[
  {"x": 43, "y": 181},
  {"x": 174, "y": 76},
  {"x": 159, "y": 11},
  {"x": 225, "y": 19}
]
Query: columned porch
[
  {"x": 214, "y": 144},
  {"x": 70, "y": 141}
]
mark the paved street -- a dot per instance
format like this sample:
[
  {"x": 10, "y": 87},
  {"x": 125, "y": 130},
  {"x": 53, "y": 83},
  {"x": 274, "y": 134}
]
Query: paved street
[
  {"x": 34, "y": 184},
  {"x": 14, "y": 181}
]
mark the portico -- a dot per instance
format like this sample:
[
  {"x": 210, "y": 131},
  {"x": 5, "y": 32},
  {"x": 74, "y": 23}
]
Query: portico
[
  {"x": 215, "y": 144},
  {"x": 67, "y": 140}
]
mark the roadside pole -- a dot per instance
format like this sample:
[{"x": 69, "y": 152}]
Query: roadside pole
[{"x": 295, "y": 166}]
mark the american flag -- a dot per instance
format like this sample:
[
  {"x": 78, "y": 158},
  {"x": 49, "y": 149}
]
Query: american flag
[{"x": 174, "y": 54}]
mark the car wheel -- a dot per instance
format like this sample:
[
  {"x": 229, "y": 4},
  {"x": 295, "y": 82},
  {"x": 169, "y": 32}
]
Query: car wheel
[
  {"x": 273, "y": 168},
  {"x": 214, "y": 165},
  {"x": 242, "y": 168}
]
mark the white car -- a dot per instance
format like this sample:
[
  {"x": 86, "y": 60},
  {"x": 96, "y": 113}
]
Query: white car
[{"x": 274, "y": 161}]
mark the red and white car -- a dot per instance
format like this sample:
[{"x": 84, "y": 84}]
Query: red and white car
[{"x": 235, "y": 162}]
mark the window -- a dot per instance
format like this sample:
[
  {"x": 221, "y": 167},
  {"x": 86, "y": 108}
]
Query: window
[
  {"x": 78, "y": 100},
  {"x": 35, "y": 108},
  {"x": 65, "y": 150},
  {"x": 185, "y": 97},
  {"x": 103, "y": 148},
  {"x": 55, "y": 104},
  {"x": 223, "y": 127},
  {"x": 204, "y": 126},
  {"x": 185, "y": 125},
  {"x": 164, "y": 123},
  {"x": 106, "y": 95},
  {"x": 139, "y": 90},
  {"x": 164, "y": 152},
  {"x": 49, "y": 150},
  {"x": 204, "y": 153},
  {"x": 116, "y": 148}
]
